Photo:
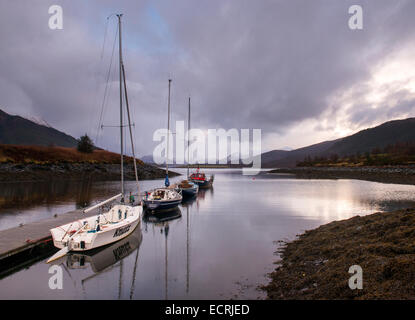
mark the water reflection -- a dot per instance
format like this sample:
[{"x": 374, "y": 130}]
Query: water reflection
[
  {"x": 217, "y": 245},
  {"x": 103, "y": 260},
  {"x": 31, "y": 193},
  {"x": 161, "y": 220}
]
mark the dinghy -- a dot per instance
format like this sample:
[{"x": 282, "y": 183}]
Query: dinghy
[{"x": 116, "y": 223}]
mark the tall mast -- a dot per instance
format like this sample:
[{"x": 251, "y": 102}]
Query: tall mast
[
  {"x": 129, "y": 125},
  {"x": 187, "y": 251},
  {"x": 167, "y": 182},
  {"x": 188, "y": 129},
  {"x": 121, "y": 123}
]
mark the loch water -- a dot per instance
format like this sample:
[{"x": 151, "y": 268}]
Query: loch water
[{"x": 219, "y": 245}]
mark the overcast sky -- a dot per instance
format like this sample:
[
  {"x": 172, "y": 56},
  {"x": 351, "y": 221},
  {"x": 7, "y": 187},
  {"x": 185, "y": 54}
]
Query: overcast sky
[{"x": 291, "y": 68}]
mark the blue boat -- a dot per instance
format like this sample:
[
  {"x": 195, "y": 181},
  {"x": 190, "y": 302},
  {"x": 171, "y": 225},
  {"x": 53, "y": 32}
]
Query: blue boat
[
  {"x": 187, "y": 189},
  {"x": 162, "y": 199}
]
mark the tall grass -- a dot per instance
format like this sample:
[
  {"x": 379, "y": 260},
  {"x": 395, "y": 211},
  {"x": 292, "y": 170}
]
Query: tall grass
[{"x": 45, "y": 155}]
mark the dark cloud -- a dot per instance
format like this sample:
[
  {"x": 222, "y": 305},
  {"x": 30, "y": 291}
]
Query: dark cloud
[{"x": 247, "y": 64}]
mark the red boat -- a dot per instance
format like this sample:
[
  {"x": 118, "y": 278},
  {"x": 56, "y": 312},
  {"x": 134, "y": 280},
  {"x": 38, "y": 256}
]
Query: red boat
[{"x": 201, "y": 180}]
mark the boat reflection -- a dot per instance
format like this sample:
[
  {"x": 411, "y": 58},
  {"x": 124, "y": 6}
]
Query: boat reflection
[
  {"x": 189, "y": 202},
  {"x": 102, "y": 258},
  {"x": 163, "y": 222},
  {"x": 160, "y": 217},
  {"x": 203, "y": 192}
]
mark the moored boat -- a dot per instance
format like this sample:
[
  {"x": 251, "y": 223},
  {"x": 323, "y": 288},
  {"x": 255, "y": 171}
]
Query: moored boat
[
  {"x": 116, "y": 223},
  {"x": 201, "y": 180},
  {"x": 187, "y": 188},
  {"x": 164, "y": 198}
]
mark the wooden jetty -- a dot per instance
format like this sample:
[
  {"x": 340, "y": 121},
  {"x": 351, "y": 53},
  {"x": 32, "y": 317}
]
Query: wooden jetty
[{"x": 18, "y": 244}]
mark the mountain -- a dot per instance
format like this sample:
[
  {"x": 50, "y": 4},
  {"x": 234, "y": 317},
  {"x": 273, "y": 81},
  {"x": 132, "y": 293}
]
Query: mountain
[
  {"x": 20, "y": 131},
  {"x": 273, "y": 155},
  {"x": 378, "y": 137},
  {"x": 363, "y": 141},
  {"x": 290, "y": 158},
  {"x": 147, "y": 159}
]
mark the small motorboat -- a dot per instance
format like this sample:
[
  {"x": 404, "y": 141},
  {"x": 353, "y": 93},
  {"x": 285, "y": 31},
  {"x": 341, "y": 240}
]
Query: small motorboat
[
  {"x": 201, "y": 180},
  {"x": 162, "y": 199}
]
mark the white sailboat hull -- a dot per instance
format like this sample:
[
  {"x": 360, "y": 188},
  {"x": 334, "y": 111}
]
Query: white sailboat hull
[{"x": 112, "y": 228}]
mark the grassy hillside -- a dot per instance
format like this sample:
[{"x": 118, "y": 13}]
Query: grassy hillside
[
  {"x": 20, "y": 131},
  {"x": 43, "y": 155},
  {"x": 388, "y": 133},
  {"x": 290, "y": 158},
  {"x": 351, "y": 148}
]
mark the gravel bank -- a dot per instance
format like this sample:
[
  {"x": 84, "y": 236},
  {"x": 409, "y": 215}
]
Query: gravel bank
[
  {"x": 316, "y": 265},
  {"x": 402, "y": 175},
  {"x": 77, "y": 171}
]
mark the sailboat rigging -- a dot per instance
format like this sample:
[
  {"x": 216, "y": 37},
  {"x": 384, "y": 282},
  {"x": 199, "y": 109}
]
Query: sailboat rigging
[
  {"x": 121, "y": 219},
  {"x": 188, "y": 188},
  {"x": 165, "y": 198}
]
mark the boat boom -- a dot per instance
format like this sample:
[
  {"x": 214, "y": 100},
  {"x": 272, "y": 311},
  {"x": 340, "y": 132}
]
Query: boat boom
[{"x": 102, "y": 203}]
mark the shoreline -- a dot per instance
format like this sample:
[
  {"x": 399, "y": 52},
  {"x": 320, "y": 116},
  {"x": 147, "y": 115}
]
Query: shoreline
[
  {"x": 315, "y": 265},
  {"x": 12, "y": 172},
  {"x": 395, "y": 174}
]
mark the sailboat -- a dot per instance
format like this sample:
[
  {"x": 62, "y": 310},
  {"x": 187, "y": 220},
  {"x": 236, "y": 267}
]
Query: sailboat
[
  {"x": 187, "y": 188},
  {"x": 116, "y": 223},
  {"x": 163, "y": 198}
]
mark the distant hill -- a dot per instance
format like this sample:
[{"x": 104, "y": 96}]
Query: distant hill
[
  {"x": 20, "y": 131},
  {"x": 147, "y": 159},
  {"x": 363, "y": 141},
  {"x": 41, "y": 154},
  {"x": 381, "y": 136},
  {"x": 290, "y": 158}
]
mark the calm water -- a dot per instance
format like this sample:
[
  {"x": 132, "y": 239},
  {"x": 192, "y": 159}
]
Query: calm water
[{"x": 218, "y": 246}]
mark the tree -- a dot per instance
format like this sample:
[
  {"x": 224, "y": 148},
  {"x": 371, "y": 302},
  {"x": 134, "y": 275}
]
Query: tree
[{"x": 85, "y": 144}]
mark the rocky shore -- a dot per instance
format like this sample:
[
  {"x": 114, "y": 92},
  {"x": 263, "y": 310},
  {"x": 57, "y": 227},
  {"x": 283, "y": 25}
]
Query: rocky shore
[
  {"x": 77, "y": 171},
  {"x": 316, "y": 264},
  {"x": 402, "y": 174}
]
